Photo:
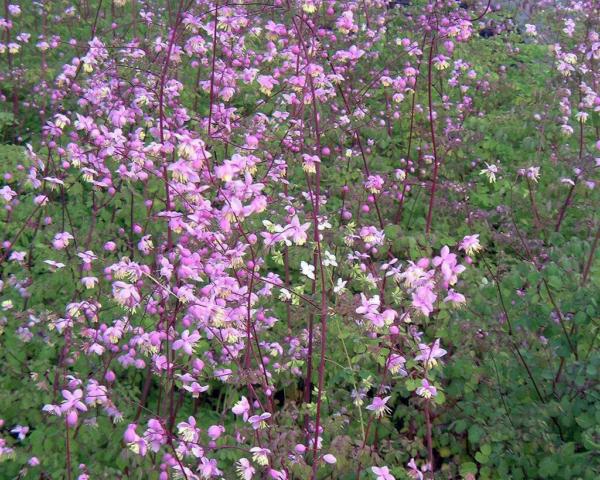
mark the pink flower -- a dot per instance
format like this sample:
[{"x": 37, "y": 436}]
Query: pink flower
[
  {"x": 259, "y": 421},
  {"x": 297, "y": 232},
  {"x": 215, "y": 431},
  {"x": 309, "y": 163},
  {"x": 470, "y": 244},
  {"x": 242, "y": 408},
  {"x": 126, "y": 294},
  {"x": 188, "y": 431},
  {"x": 429, "y": 355},
  {"x": 72, "y": 401},
  {"x": 187, "y": 341},
  {"x": 195, "y": 389},
  {"x": 396, "y": 363},
  {"x": 7, "y": 193},
  {"x": 383, "y": 473},
  {"x": 374, "y": 183},
  {"x": 368, "y": 306},
  {"x": 454, "y": 297},
  {"x": 423, "y": 298},
  {"x": 266, "y": 83},
  {"x": 414, "y": 471},
  {"x": 155, "y": 435},
  {"x": 130, "y": 435},
  {"x": 208, "y": 468},
  {"x": 61, "y": 240}
]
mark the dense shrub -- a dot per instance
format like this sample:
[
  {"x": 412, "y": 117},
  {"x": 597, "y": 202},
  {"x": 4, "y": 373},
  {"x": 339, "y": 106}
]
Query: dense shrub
[{"x": 299, "y": 239}]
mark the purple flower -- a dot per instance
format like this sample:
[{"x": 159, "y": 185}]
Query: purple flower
[
  {"x": 426, "y": 390},
  {"x": 20, "y": 431}
]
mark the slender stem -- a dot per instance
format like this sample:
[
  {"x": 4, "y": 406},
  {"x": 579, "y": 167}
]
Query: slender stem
[
  {"x": 68, "y": 452},
  {"x": 590, "y": 260},
  {"x": 212, "y": 71},
  {"x": 433, "y": 141},
  {"x": 569, "y": 199},
  {"x": 429, "y": 438}
]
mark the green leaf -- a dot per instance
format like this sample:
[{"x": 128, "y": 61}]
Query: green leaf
[
  {"x": 548, "y": 467},
  {"x": 481, "y": 458},
  {"x": 467, "y": 468},
  {"x": 475, "y": 433}
]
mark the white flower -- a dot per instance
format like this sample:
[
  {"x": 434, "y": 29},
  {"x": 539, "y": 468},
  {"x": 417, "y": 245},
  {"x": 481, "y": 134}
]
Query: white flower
[
  {"x": 340, "y": 286},
  {"x": 307, "y": 270},
  {"x": 323, "y": 225},
  {"x": 260, "y": 455},
  {"x": 89, "y": 282},
  {"x": 244, "y": 469},
  {"x": 54, "y": 265},
  {"x": 329, "y": 259},
  {"x": 530, "y": 30},
  {"x": 285, "y": 295},
  {"x": 533, "y": 173}
]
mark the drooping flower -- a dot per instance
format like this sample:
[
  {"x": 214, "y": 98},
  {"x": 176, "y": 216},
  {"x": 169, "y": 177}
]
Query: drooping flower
[
  {"x": 89, "y": 282},
  {"x": 470, "y": 244},
  {"x": 259, "y": 421},
  {"x": 395, "y": 364},
  {"x": 297, "y": 231},
  {"x": 426, "y": 390},
  {"x": 430, "y": 354},
  {"x": 260, "y": 455},
  {"x": 244, "y": 469},
  {"x": 126, "y": 294},
  {"x": 309, "y": 163},
  {"x": 378, "y": 406},
  {"x": 490, "y": 172},
  {"x": 455, "y": 297},
  {"x": 531, "y": 30},
  {"x": 188, "y": 430}
]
